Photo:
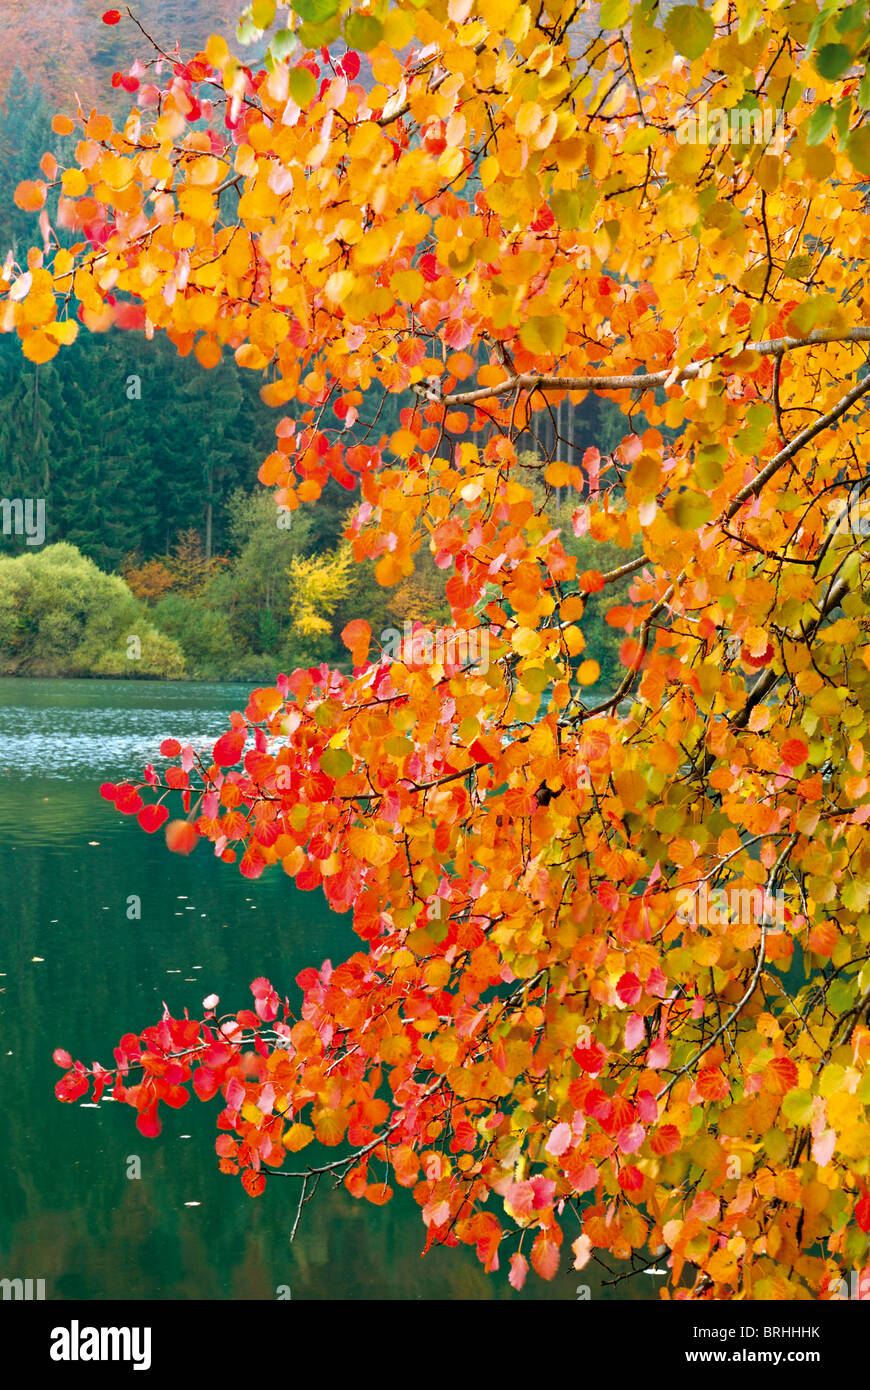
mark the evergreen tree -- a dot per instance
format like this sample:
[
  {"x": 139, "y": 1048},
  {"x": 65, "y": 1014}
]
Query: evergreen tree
[{"x": 25, "y": 136}]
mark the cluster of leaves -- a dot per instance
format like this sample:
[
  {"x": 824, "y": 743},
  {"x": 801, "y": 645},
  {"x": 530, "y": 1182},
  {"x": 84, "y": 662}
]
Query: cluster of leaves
[
  {"x": 62, "y": 616},
  {"x": 507, "y": 218}
]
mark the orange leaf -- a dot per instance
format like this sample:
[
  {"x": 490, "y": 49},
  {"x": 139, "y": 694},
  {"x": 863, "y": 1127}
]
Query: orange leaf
[
  {"x": 356, "y": 636},
  {"x": 30, "y": 196},
  {"x": 545, "y": 1256}
]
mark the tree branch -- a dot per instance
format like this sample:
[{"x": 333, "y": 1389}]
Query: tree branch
[{"x": 645, "y": 381}]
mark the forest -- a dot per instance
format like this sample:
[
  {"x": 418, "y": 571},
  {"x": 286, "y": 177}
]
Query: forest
[{"x": 217, "y": 584}]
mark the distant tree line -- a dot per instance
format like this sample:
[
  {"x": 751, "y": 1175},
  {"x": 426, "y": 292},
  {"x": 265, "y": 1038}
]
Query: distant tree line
[{"x": 147, "y": 465}]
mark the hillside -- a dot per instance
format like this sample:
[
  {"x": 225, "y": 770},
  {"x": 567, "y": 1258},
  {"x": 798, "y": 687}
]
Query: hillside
[{"x": 67, "y": 49}]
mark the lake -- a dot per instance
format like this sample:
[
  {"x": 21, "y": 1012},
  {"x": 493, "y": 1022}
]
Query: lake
[{"x": 76, "y": 973}]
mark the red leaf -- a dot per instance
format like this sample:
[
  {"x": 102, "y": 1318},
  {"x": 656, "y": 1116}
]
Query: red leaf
[
  {"x": 609, "y": 898},
  {"x": 152, "y": 817},
  {"x": 630, "y": 1179},
  {"x": 61, "y": 1058},
  {"x": 228, "y": 749},
  {"x": 479, "y": 753},
  {"x": 149, "y": 1123},
  {"x": 862, "y": 1211},
  {"x": 665, "y": 1140},
  {"x": 756, "y": 661},
  {"x": 253, "y": 1183},
  {"x": 780, "y": 1075},
  {"x": 71, "y": 1086},
  {"x": 629, "y": 988},
  {"x": 205, "y": 1084},
  {"x": 112, "y": 17},
  {"x": 170, "y": 748}
]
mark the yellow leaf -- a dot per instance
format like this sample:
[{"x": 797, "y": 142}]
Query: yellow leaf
[
  {"x": 197, "y": 204},
  {"x": 297, "y": 1136},
  {"x": 544, "y": 335},
  {"x": 330, "y": 1126},
  {"x": 38, "y": 347}
]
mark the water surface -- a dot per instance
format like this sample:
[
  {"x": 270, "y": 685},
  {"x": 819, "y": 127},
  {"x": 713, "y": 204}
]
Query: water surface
[{"x": 78, "y": 973}]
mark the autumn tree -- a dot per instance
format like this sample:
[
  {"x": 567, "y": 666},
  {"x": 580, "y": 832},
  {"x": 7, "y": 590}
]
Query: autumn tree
[
  {"x": 149, "y": 581},
  {"x": 612, "y": 981}
]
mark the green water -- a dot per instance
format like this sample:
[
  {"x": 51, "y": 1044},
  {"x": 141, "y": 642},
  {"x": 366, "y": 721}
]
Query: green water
[{"x": 69, "y": 1214}]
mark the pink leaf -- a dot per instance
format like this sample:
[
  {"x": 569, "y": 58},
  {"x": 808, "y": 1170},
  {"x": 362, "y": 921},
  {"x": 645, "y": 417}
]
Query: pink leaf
[
  {"x": 823, "y": 1147},
  {"x": 634, "y": 1032},
  {"x": 559, "y": 1141},
  {"x": 659, "y": 1055},
  {"x": 519, "y": 1270},
  {"x": 582, "y": 1248},
  {"x": 235, "y": 1093}
]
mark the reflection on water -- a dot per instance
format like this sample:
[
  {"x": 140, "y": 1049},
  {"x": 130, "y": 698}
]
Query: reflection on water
[{"x": 76, "y": 972}]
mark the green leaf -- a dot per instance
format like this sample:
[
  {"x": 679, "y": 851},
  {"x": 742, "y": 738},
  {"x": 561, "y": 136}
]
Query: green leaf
[
  {"x": 833, "y": 60},
  {"x": 246, "y": 30},
  {"x": 690, "y": 30},
  {"x": 320, "y": 34},
  {"x": 820, "y": 125},
  {"x": 303, "y": 85},
  {"x": 283, "y": 45},
  {"x": 851, "y": 18},
  {"x": 437, "y": 931},
  {"x": 842, "y": 996},
  {"x": 534, "y": 679},
  {"x": 691, "y": 510},
  {"x": 640, "y": 138},
  {"x": 776, "y": 1145},
  {"x": 857, "y": 147},
  {"x": 315, "y": 11},
  {"x": 841, "y": 117},
  {"x": 813, "y": 313},
  {"x": 565, "y": 207},
  {"x": 613, "y": 13},
  {"x": 336, "y": 762},
  {"x": 831, "y": 1079},
  {"x": 798, "y": 1106},
  {"x": 708, "y": 473},
  {"x": 798, "y": 267},
  {"x": 363, "y": 31}
]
